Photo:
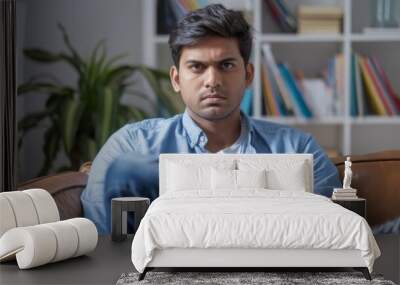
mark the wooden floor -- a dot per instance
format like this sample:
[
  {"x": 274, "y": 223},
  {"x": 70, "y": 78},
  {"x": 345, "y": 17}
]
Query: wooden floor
[{"x": 389, "y": 262}]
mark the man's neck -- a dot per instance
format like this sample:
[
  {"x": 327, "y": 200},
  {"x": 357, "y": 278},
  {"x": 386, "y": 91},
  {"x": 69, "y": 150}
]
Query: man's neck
[{"x": 221, "y": 133}]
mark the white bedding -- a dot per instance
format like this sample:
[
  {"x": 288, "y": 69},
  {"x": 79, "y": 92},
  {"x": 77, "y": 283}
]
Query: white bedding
[{"x": 252, "y": 218}]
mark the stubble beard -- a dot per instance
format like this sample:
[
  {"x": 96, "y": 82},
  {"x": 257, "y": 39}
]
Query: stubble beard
[{"x": 212, "y": 116}]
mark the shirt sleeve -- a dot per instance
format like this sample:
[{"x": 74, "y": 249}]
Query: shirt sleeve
[
  {"x": 325, "y": 173},
  {"x": 94, "y": 194}
]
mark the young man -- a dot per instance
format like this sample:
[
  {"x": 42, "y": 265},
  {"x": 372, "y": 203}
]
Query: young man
[{"x": 211, "y": 49}]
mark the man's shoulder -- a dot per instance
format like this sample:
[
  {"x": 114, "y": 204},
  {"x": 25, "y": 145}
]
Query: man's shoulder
[
  {"x": 151, "y": 125},
  {"x": 139, "y": 135},
  {"x": 272, "y": 128}
]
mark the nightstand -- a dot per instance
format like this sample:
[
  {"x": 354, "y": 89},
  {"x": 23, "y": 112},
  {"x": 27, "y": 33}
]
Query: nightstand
[
  {"x": 357, "y": 205},
  {"x": 119, "y": 215}
]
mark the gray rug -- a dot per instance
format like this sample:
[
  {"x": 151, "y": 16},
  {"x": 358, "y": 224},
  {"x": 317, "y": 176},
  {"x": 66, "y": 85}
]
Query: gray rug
[{"x": 229, "y": 278}]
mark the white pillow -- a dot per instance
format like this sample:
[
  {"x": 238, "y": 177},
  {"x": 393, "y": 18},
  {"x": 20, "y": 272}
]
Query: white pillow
[
  {"x": 285, "y": 174},
  {"x": 292, "y": 180},
  {"x": 251, "y": 178},
  {"x": 187, "y": 175},
  {"x": 225, "y": 179},
  {"x": 183, "y": 177}
]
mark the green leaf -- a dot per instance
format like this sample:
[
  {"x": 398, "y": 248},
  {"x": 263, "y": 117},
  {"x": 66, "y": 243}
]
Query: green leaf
[
  {"x": 46, "y": 87},
  {"x": 107, "y": 116},
  {"x": 70, "y": 120},
  {"x": 157, "y": 80},
  {"x": 76, "y": 63},
  {"x": 41, "y": 55},
  {"x": 99, "y": 47},
  {"x": 158, "y": 73},
  {"x": 67, "y": 42},
  {"x": 88, "y": 148},
  {"x": 131, "y": 113},
  {"x": 31, "y": 120},
  {"x": 50, "y": 148},
  {"x": 118, "y": 74},
  {"x": 173, "y": 97},
  {"x": 56, "y": 100},
  {"x": 114, "y": 59}
]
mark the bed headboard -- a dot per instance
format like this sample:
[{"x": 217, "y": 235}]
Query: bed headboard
[{"x": 210, "y": 159}]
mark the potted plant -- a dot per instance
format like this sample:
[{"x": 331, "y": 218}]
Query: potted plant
[{"x": 80, "y": 118}]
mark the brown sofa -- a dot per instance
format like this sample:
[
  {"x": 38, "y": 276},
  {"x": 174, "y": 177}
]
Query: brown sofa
[{"x": 375, "y": 175}]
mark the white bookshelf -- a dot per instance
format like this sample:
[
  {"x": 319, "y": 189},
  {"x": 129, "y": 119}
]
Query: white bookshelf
[{"x": 340, "y": 129}]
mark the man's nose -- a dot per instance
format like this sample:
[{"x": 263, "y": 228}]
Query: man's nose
[{"x": 213, "y": 78}]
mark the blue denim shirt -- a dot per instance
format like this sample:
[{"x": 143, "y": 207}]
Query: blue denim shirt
[{"x": 180, "y": 134}]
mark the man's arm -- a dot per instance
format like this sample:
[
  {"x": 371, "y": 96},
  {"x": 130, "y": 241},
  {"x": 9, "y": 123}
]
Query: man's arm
[
  {"x": 325, "y": 173},
  {"x": 93, "y": 196}
]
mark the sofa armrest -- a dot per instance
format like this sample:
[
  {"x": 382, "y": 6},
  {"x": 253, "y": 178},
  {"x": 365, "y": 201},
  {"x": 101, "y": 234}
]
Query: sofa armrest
[
  {"x": 66, "y": 189},
  {"x": 376, "y": 177}
]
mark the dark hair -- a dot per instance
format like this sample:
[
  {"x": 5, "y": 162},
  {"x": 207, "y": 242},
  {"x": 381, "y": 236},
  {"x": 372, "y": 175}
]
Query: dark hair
[{"x": 212, "y": 20}]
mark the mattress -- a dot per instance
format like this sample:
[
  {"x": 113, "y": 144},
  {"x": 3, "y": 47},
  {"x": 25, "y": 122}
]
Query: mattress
[{"x": 250, "y": 219}]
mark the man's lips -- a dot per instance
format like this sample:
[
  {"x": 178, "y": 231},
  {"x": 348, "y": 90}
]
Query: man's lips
[{"x": 214, "y": 97}]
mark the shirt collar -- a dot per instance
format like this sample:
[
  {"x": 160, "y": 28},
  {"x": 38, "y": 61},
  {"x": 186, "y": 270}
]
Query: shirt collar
[{"x": 194, "y": 132}]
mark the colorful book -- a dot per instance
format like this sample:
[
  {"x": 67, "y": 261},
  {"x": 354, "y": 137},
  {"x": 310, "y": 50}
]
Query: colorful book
[
  {"x": 270, "y": 103},
  {"x": 295, "y": 92},
  {"x": 283, "y": 90},
  {"x": 289, "y": 17},
  {"x": 379, "y": 89},
  {"x": 361, "y": 108},
  {"x": 282, "y": 16},
  {"x": 247, "y": 102},
  {"x": 353, "y": 95},
  {"x": 275, "y": 92},
  {"x": 386, "y": 83},
  {"x": 376, "y": 103}
]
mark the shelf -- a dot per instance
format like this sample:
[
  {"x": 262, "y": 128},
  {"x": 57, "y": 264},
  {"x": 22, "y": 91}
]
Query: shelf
[
  {"x": 376, "y": 120},
  {"x": 375, "y": 37},
  {"x": 368, "y": 120},
  {"x": 283, "y": 38},
  {"x": 303, "y": 121},
  {"x": 296, "y": 38},
  {"x": 336, "y": 131}
]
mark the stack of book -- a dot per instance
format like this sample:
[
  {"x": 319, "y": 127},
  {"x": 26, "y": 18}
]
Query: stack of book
[
  {"x": 320, "y": 19},
  {"x": 344, "y": 194},
  {"x": 287, "y": 93},
  {"x": 372, "y": 92}
]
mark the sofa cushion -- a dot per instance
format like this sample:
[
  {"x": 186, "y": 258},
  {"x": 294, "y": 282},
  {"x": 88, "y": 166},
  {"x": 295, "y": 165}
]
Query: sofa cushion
[{"x": 66, "y": 189}]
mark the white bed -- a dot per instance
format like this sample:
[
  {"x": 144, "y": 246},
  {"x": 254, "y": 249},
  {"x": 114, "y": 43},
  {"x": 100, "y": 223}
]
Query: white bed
[{"x": 269, "y": 217}]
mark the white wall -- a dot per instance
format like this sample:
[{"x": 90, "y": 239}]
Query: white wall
[{"x": 88, "y": 21}]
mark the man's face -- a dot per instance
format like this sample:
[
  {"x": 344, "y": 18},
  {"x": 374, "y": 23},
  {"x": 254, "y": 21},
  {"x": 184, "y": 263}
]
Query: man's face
[{"x": 212, "y": 78}]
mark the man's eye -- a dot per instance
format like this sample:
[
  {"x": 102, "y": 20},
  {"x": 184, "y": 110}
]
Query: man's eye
[
  {"x": 196, "y": 67},
  {"x": 227, "y": 65}
]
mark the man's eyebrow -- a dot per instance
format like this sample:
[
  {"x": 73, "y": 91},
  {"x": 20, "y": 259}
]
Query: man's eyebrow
[{"x": 190, "y": 61}]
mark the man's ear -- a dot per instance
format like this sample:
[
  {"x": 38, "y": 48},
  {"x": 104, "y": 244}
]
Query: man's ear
[
  {"x": 174, "y": 76},
  {"x": 249, "y": 74}
]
